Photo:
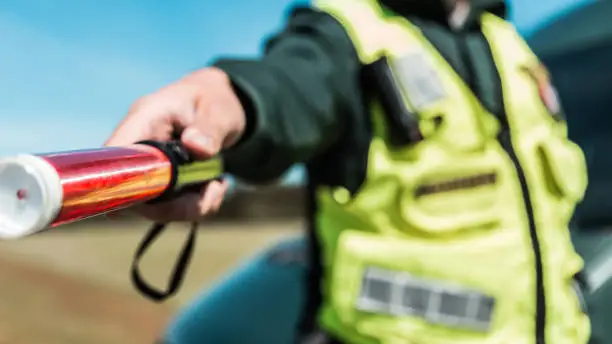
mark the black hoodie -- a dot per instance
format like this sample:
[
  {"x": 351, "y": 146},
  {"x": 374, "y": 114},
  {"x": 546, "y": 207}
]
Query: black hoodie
[{"x": 304, "y": 97}]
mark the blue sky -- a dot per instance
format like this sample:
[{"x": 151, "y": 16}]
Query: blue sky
[{"x": 69, "y": 69}]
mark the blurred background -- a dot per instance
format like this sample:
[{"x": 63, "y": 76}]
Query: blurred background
[{"x": 69, "y": 69}]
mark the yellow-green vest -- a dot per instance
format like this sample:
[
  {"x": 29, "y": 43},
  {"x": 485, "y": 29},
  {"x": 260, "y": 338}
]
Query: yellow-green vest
[{"x": 451, "y": 212}]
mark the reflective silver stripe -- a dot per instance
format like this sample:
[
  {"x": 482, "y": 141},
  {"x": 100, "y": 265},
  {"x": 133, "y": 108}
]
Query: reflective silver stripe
[
  {"x": 419, "y": 79},
  {"x": 401, "y": 294}
]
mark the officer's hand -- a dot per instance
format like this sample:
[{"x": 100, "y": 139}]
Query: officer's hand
[{"x": 205, "y": 110}]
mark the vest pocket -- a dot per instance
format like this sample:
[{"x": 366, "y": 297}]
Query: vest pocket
[
  {"x": 564, "y": 168},
  {"x": 460, "y": 199},
  {"x": 440, "y": 214}
]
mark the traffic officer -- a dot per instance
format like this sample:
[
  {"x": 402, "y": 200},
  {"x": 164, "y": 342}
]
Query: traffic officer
[{"x": 440, "y": 177}]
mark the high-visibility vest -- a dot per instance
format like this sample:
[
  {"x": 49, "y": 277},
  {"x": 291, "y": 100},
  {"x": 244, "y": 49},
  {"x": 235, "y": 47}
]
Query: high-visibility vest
[{"x": 461, "y": 236}]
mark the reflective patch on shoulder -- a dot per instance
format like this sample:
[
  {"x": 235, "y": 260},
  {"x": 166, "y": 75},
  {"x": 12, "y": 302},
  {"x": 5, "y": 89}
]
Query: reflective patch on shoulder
[
  {"x": 418, "y": 78},
  {"x": 547, "y": 92}
]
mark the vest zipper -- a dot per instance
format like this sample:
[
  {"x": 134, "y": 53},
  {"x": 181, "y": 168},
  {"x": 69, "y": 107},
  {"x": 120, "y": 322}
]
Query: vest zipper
[
  {"x": 540, "y": 321},
  {"x": 505, "y": 141}
]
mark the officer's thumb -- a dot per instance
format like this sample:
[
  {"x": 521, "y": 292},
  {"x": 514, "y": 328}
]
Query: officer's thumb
[
  {"x": 219, "y": 117},
  {"x": 201, "y": 145}
]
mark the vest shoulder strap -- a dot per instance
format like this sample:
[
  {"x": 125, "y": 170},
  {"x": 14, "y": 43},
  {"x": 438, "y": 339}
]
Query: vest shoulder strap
[
  {"x": 503, "y": 31},
  {"x": 362, "y": 19}
]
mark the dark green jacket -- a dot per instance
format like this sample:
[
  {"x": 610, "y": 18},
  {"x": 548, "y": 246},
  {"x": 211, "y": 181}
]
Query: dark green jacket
[{"x": 305, "y": 99}]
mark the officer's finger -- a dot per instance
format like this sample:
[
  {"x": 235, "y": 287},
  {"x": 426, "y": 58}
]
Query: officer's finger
[
  {"x": 206, "y": 135},
  {"x": 219, "y": 201},
  {"x": 154, "y": 117},
  {"x": 201, "y": 145},
  {"x": 129, "y": 131},
  {"x": 213, "y": 191}
]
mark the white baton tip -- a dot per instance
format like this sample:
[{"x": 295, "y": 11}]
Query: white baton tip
[{"x": 31, "y": 195}]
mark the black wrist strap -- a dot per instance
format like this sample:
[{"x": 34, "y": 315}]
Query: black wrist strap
[{"x": 180, "y": 268}]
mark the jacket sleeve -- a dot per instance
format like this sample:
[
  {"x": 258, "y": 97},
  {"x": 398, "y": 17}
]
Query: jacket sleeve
[{"x": 298, "y": 96}]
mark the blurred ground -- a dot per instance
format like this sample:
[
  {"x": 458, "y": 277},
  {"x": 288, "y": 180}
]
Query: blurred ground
[{"x": 73, "y": 287}]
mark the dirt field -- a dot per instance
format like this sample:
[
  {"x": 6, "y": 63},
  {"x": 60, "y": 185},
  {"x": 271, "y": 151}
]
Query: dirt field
[{"x": 73, "y": 287}]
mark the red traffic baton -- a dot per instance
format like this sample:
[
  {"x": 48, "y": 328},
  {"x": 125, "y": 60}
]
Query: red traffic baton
[{"x": 42, "y": 191}]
